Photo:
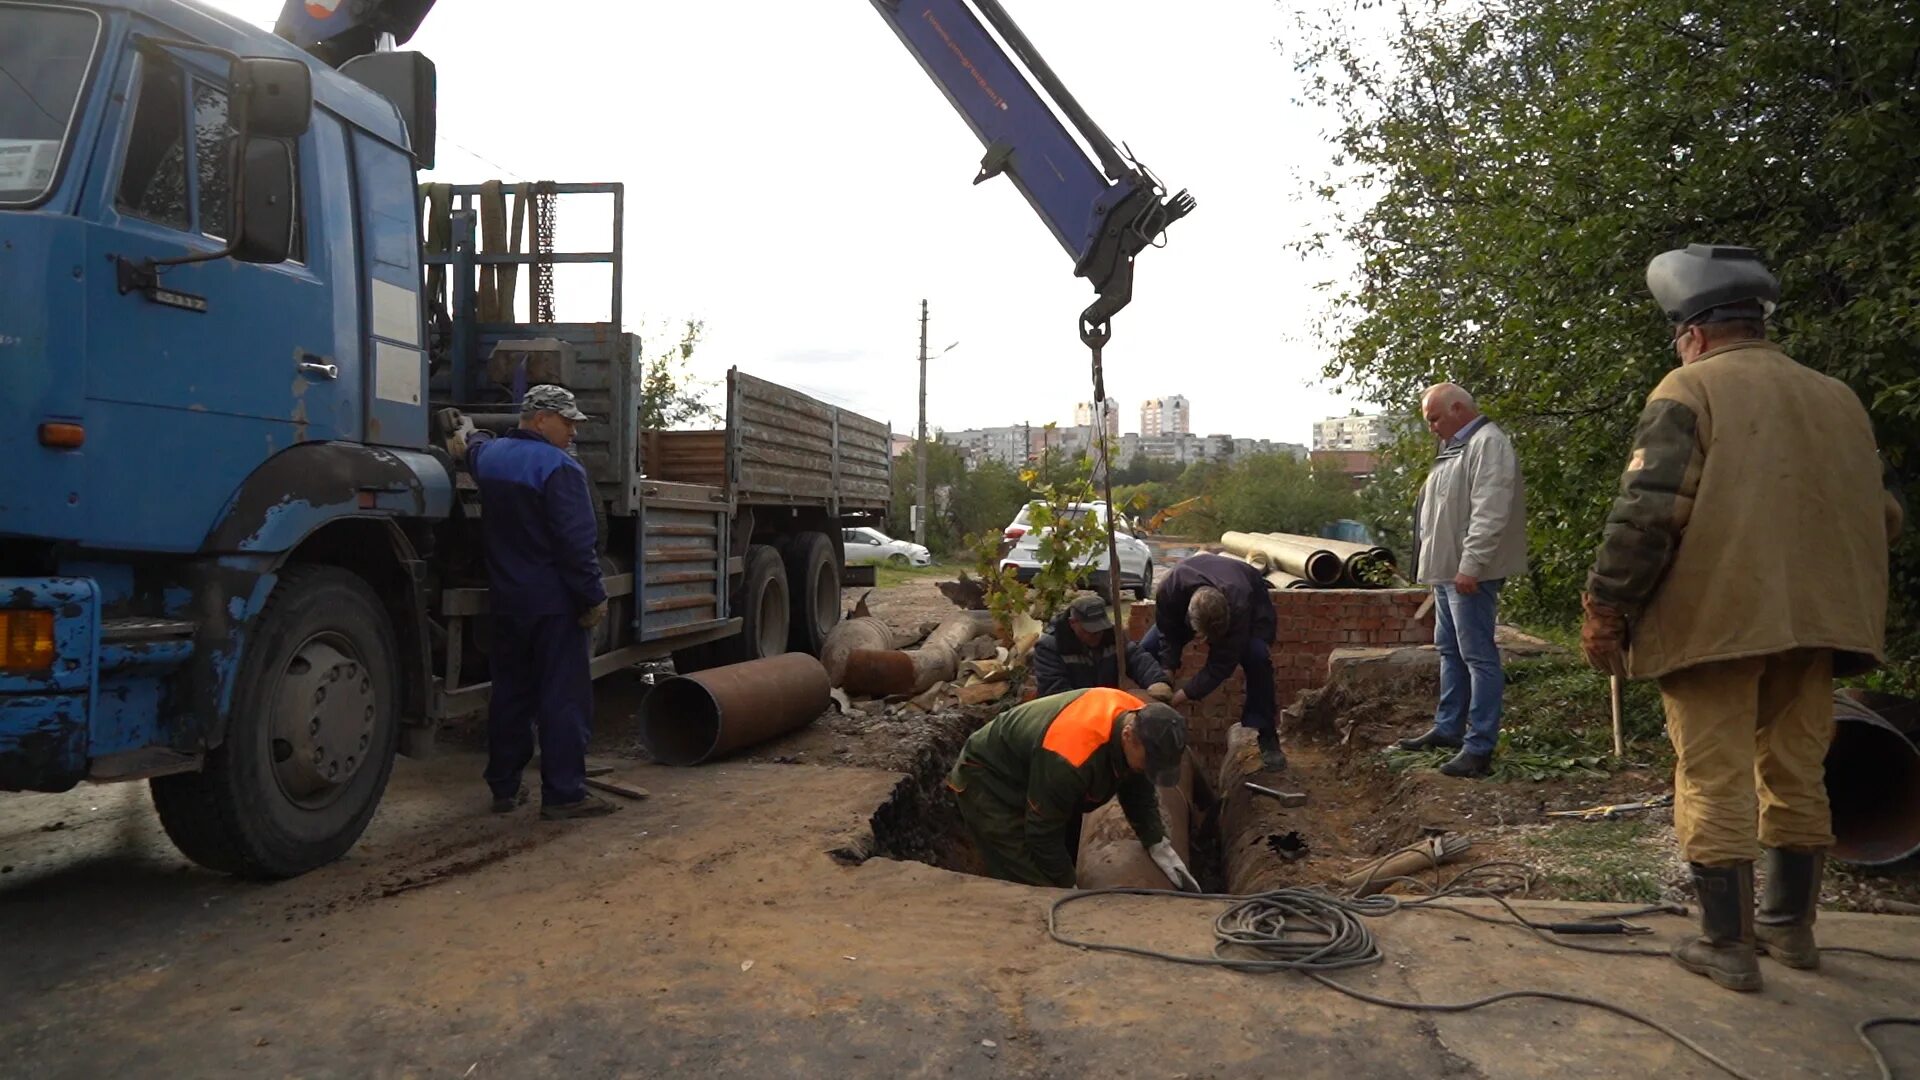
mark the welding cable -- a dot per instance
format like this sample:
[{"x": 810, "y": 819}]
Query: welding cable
[
  {"x": 1334, "y": 939},
  {"x": 1864, "y": 1026}
]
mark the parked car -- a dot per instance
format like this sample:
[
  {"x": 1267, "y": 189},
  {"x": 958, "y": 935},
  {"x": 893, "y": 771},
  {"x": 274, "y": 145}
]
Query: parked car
[
  {"x": 867, "y": 546},
  {"x": 1136, "y": 559}
]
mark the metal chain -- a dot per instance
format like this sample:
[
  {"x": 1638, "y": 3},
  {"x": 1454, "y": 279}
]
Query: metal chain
[{"x": 1096, "y": 336}]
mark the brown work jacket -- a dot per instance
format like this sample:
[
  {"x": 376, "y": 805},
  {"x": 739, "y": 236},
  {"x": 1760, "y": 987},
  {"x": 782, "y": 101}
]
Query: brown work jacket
[{"x": 1751, "y": 518}]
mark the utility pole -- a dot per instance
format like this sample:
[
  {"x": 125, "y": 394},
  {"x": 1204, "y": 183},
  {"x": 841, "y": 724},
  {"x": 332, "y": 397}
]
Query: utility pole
[{"x": 920, "y": 448}]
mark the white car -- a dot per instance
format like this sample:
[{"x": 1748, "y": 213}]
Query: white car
[
  {"x": 869, "y": 546},
  {"x": 1136, "y": 559}
]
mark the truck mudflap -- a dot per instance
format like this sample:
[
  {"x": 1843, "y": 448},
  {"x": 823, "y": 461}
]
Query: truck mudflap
[{"x": 43, "y": 711}]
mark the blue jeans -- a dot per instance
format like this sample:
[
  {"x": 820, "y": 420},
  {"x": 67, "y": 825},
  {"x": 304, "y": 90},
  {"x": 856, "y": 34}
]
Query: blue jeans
[
  {"x": 1256, "y": 663},
  {"x": 1471, "y": 682}
]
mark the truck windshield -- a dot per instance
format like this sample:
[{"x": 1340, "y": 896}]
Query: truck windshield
[{"x": 45, "y": 53}]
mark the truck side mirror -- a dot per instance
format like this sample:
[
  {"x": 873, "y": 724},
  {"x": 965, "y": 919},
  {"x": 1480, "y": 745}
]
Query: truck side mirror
[
  {"x": 407, "y": 79},
  {"x": 266, "y": 215},
  {"x": 276, "y": 96}
]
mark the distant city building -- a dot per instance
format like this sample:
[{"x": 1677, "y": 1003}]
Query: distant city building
[
  {"x": 1083, "y": 417},
  {"x": 1006, "y": 445},
  {"x": 901, "y": 444},
  {"x": 1166, "y": 416},
  {"x": 1354, "y": 432}
]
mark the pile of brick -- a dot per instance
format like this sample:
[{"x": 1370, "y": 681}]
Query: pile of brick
[{"x": 1309, "y": 625}]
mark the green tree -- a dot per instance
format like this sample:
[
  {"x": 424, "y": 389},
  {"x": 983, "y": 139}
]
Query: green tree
[
  {"x": 670, "y": 396},
  {"x": 1281, "y": 493},
  {"x": 986, "y": 499},
  {"x": 1506, "y": 171}
]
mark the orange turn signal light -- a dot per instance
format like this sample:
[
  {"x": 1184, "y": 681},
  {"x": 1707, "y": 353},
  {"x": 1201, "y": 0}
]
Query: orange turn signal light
[
  {"x": 26, "y": 642},
  {"x": 58, "y": 436}
]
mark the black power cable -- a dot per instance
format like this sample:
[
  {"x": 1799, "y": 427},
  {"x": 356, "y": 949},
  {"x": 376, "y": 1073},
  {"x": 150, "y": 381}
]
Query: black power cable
[{"x": 1312, "y": 932}]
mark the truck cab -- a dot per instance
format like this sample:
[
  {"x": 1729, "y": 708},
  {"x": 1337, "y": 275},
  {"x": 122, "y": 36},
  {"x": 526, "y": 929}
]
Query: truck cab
[{"x": 236, "y": 557}]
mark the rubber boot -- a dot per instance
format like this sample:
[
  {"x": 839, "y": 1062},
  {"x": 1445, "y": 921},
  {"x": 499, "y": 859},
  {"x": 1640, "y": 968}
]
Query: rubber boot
[
  {"x": 1271, "y": 756},
  {"x": 1784, "y": 927},
  {"x": 1724, "y": 950}
]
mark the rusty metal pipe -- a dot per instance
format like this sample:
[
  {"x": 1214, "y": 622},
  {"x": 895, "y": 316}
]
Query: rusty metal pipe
[
  {"x": 1873, "y": 785},
  {"x": 865, "y": 632},
  {"x": 689, "y": 719},
  {"x": 878, "y": 673}
]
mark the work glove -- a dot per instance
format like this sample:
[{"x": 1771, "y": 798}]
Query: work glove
[
  {"x": 1603, "y": 637},
  {"x": 1160, "y": 691},
  {"x": 460, "y": 431},
  {"x": 1168, "y": 860},
  {"x": 591, "y": 617}
]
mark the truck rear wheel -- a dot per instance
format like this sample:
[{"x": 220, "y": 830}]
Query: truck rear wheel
[
  {"x": 813, "y": 575},
  {"x": 312, "y": 739},
  {"x": 761, "y": 603}
]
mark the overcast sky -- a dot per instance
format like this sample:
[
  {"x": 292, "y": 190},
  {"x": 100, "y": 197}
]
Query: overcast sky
[{"x": 794, "y": 180}]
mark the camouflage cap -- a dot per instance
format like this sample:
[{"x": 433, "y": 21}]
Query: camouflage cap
[{"x": 550, "y": 398}]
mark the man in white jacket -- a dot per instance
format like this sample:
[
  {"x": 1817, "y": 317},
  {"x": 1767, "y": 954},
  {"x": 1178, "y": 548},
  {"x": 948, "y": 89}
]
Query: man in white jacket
[{"x": 1470, "y": 535}]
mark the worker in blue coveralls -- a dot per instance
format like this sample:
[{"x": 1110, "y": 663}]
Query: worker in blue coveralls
[{"x": 546, "y": 597}]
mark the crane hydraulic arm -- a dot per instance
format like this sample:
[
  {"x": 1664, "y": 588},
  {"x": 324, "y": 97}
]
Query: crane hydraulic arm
[{"x": 1103, "y": 207}]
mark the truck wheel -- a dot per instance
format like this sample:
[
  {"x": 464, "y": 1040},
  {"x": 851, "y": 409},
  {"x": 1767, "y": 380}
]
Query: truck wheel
[
  {"x": 312, "y": 739},
  {"x": 761, "y": 603},
  {"x": 813, "y": 575}
]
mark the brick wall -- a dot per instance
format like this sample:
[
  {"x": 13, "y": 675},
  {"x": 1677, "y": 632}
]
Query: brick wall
[{"x": 1309, "y": 625}]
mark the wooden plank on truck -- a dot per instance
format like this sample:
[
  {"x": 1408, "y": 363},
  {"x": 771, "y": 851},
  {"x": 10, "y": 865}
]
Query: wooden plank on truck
[{"x": 794, "y": 450}]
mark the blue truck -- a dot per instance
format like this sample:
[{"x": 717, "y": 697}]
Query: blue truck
[{"x": 237, "y": 557}]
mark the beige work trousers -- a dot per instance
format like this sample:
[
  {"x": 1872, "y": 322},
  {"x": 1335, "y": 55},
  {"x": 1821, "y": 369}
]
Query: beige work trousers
[{"x": 1751, "y": 739}]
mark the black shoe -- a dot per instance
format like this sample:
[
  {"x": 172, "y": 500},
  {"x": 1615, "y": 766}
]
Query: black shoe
[
  {"x": 1468, "y": 765},
  {"x": 1431, "y": 739},
  {"x": 506, "y": 804},
  {"x": 1271, "y": 756},
  {"x": 1724, "y": 951},
  {"x": 591, "y": 806}
]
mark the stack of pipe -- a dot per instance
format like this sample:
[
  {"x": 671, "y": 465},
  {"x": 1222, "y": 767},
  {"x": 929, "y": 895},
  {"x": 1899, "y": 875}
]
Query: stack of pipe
[
  {"x": 1110, "y": 853},
  {"x": 1297, "y": 556},
  {"x": 1317, "y": 563}
]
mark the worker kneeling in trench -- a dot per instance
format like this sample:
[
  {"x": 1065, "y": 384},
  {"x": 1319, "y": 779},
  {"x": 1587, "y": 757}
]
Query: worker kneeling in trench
[{"x": 1024, "y": 780}]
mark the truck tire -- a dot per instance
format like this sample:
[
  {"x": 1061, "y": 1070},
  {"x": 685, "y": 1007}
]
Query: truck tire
[
  {"x": 312, "y": 740},
  {"x": 761, "y": 603},
  {"x": 813, "y": 576}
]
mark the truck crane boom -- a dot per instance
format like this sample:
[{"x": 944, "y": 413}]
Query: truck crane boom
[{"x": 1103, "y": 207}]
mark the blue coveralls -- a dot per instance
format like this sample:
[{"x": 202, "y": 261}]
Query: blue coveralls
[{"x": 537, "y": 514}]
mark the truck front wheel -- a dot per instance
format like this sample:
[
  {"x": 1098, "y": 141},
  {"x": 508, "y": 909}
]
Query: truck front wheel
[{"x": 311, "y": 742}]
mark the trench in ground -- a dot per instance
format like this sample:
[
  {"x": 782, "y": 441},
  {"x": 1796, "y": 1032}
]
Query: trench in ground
[{"x": 1357, "y": 810}]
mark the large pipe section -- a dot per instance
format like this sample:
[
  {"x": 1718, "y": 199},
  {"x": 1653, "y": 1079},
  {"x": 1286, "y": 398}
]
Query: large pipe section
[
  {"x": 1355, "y": 559},
  {"x": 1110, "y": 853},
  {"x": 887, "y": 672},
  {"x": 1301, "y": 559},
  {"x": 1248, "y": 819},
  {"x": 1873, "y": 785},
  {"x": 689, "y": 719},
  {"x": 865, "y": 632}
]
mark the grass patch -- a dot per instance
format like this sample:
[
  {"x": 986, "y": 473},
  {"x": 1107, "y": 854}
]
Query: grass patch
[
  {"x": 1558, "y": 724},
  {"x": 1601, "y": 861},
  {"x": 886, "y": 576}
]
